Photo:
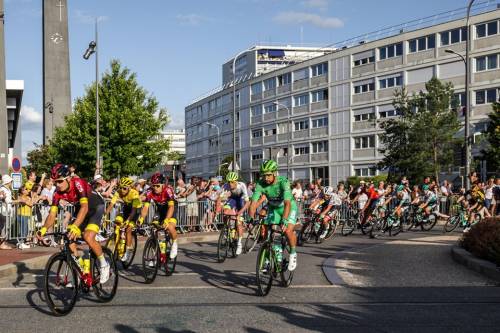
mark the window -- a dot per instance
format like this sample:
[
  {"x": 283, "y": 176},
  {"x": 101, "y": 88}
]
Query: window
[
  {"x": 364, "y": 117},
  {"x": 301, "y": 74},
  {"x": 320, "y": 95},
  {"x": 365, "y": 171},
  {"x": 319, "y": 122},
  {"x": 225, "y": 121},
  {"x": 390, "y": 82},
  {"x": 364, "y": 61},
  {"x": 487, "y": 96},
  {"x": 301, "y": 125},
  {"x": 302, "y": 150},
  {"x": 284, "y": 79},
  {"x": 256, "y": 88},
  {"x": 270, "y": 131},
  {"x": 270, "y": 108},
  {"x": 453, "y": 36},
  {"x": 459, "y": 99},
  {"x": 486, "y": 29},
  {"x": 257, "y": 156},
  {"x": 358, "y": 89},
  {"x": 364, "y": 142},
  {"x": 256, "y": 110},
  {"x": 486, "y": 63},
  {"x": 387, "y": 114},
  {"x": 390, "y": 51},
  {"x": 256, "y": 133},
  {"x": 270, "y": 84},
  {"x": 320, "y": 147},
  {"x": 301, "y": 100},
  {"x": 422, "y": 44},
  {"x": 320, "y": 69}
]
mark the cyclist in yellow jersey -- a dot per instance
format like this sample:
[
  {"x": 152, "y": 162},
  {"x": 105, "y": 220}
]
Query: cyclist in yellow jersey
[{"x": 132, "y": 205}]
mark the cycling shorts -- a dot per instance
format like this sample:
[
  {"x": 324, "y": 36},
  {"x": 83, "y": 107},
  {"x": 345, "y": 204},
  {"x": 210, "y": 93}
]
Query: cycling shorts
[
  {"x": 234, "y": 203},
  {"x": 93, "y": 219},
  {"x": 275, "y": 214}
]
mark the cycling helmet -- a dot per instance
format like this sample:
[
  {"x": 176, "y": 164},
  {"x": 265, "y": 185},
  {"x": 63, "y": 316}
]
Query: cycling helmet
[
  {"x": 269, "y": 166},
  {"x": 157, "y": 178},
  {"x": 425, "y": 188},
  {"x": 59, "y": 171},
  {"x": 328, "y": 190},
  {"x": 231, "y": 176},
  {"x": 126, "y": 182},
  {"x": 400, "y": 188}
]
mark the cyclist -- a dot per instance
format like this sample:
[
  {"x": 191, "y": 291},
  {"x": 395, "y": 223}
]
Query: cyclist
[
  {"x": 429, "y": 201},
  {"x": 476, "y": 197},
  {"x": 334, "y": 201},
  {"x": 162, "y": 195},
  {"x": 402, "y": 200},
  {"x": 235, "y": 195},
  {"x": 131, "y": 210},
  {"x": 280, "y": 203},
  {"x": 89, "y": 209}
]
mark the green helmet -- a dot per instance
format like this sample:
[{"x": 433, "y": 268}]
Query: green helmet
[
  {"x": 232, "y": 176},
  {"x": 425, "y": 187},
  {"x": 400, "y": 188},
  {"x": 269, "y": 166}
]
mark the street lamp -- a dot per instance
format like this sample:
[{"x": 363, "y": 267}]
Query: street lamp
[
  {"x": 218, "y": 145},
  {"x": 278, "y": 104},
  {"x": 467, "y": 97},
  {"x": 234, "y": 107},
  {"x": 91, "y": 50}
]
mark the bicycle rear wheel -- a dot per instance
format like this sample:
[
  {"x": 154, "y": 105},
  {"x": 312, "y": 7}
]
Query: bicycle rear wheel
[
  {"x": 452, "y": 223},
  {"x": 252, "y": 238},
  {"x": 150, "y": 259},
  {"x": 264, "y": 269},
  {"x": 348, "y": 226},
  {"x": 126, "y": 264},
  {"x": 105, "y": 292},
  {"x": 333, "y": 227},
  {"x": 396, "y": 227},
  {"x": 285, "y": 274},
  {"x": 222, "y": 245},
  {"x": 307, "y": 234},
  {"x": 169, "y": 266},
  {"x": 429, "y": 222},
  {"x": 60, "y": 285}
]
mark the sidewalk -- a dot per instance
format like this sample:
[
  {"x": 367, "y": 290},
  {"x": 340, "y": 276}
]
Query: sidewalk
[{"x": 13, "y": 262}]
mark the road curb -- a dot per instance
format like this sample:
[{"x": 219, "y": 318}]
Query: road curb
[
  {"x": 29, "y": 265},
  {"x": 481, "y": 266}
]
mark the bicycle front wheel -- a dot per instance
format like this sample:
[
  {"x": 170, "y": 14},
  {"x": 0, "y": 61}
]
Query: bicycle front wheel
[
  {"x": 307, "y": 233},
  {"x": 126, "y": 264},
  {"x": 105, "y": 292},
  {"x": 348, "y": 227},
  {"x": 169, "y": 265},
  {"x": 222, "y": 245},
  {"x": 252, "y": 239},
  {"x": 452, "y": 223},
  {"x": 60, "y": 285},
  {"x": 333, "y": 227},
  {"x": 264, "y": 269},
  {"x": 429, "y": 222},
  {"x": 286, "y": 275},
  {"x": 150, "y": 259}
]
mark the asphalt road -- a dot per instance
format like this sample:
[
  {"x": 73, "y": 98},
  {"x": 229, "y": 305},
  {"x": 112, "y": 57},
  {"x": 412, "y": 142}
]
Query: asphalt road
[{"x": 407, "y": 284}]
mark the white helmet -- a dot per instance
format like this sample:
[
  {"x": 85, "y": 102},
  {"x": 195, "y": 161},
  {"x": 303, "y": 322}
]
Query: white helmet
[{"x": 328, "y": 190}]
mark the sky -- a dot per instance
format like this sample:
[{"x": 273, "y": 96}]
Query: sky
[{"x": 177, "y": 47}]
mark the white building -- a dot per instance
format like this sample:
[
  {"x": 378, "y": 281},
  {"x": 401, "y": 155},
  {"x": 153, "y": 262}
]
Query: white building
[{"x": 177, "y": 140}]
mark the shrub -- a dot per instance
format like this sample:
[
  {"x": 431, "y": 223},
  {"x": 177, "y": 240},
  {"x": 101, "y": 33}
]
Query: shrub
[
  {"x": 354, "y": 180},
  {"x": 483, "y": 240}
]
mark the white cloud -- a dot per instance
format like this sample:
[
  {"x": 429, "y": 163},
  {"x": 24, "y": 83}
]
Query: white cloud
[
  {"x": 192, "y": 19},
  {"x": 314, "y": 19},
  {"x": 176, "y": 121},
  {"x": 30, "y": 116},
  {"x": 320, "y": 4},
  {"x": 86, "y": 18}
]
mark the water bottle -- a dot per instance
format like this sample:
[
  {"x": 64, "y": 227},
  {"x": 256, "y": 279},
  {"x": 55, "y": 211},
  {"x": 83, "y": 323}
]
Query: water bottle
[
  {"x": 86, "y": 262},
  {"x": 316, "y": 227},
  {"x": 233, "y": 233},
  {"x": 278, "y": 251},
  {"x": 163, "y": 247}
]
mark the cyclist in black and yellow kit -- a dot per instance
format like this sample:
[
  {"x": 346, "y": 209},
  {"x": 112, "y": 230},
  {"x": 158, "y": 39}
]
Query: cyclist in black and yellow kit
[{"x": 132, "y": 205}]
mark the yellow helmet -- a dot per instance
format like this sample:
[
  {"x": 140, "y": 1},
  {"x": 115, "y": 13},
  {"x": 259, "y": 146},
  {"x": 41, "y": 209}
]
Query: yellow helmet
[{"x": 126, "y": 182}]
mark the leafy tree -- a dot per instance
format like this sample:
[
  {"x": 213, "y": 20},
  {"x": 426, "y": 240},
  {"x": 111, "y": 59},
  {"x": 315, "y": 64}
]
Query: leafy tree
[
  {"x": 420, "y": 141},
  {"x": 492, "y": 134},
  {"x": 41, "y": 159},
  {"x": 224, "y": 167},
  {"x": 130, "y": 123}
]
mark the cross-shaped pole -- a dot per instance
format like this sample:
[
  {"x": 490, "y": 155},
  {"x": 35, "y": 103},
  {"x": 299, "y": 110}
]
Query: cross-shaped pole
[{"x": 60, "y": 5}]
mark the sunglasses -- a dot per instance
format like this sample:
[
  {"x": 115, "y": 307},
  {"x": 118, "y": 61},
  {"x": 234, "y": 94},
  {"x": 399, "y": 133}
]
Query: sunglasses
[
  {"x": 157, "y": 185},
  {"x": 60, "y": 181},
  {"x": 124, "y": 188}
]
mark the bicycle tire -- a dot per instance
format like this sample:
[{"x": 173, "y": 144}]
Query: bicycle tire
[
  {"x": 169, "y": 266},
  {"x": 348, "y": 227},
  {"x": 285, "y": 274},
  {"x": 61, "y": 260},
  {"x": 396, "y": 227},
  {"x": 429, "y": 222},
  {"x": 222, "y": 245},
  {"x": 102, "y": 295},
  {"x": 451, "y": 223},
  {"x": 333, "y": 227},
  {"x": 367, "y": 227},
  {"x": 264, "y": 286},
  {"x": 150, "y": 253},
  {"x": 378, "y": 226},
  {"x": 252, "y": 239},
  {"x": 126, "y": 264},
  {"x": 306, "y": 233}
]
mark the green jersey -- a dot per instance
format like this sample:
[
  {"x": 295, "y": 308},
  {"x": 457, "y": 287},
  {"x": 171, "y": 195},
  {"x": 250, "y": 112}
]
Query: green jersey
[{"x": 275, "y": 193}]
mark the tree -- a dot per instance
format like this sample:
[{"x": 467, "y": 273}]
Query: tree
[
  {"x": 224, "y": 167},
  {"x": 420, "y": 141},
  {"x": 41, "y": 159},
  {"x": 130, "y": 123},
  {"x": 492, "y": 134}
]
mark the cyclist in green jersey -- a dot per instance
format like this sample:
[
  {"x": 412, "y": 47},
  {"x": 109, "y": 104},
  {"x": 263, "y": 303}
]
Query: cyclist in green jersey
[{"x": 281, "y": 205}]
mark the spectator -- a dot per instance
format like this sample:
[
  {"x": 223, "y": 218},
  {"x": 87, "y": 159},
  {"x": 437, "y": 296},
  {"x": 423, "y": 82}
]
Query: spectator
[
  {"x": 23, "y": 216},
  {"x": 48, "y": 191},
  {"x": 6, "y": 198},
  {"x": 213, "y": 193},
  {"x": 445, "y": 189},
  {"x": 250, "y": 188},
  {"x": 496, "y": 198},
  {"x": 297, "y": 192},
  {"x": 192, "y": 197},
  {"x": 72, "y": 170},
  {"x": 488, "y": 195}
]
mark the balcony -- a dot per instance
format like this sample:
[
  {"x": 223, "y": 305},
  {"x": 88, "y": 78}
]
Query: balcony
[
  {"x": 300, "y": 109},
  {"x": 363, "y": 125},
  {"x": 459, "y": 47},
  {"x": 284, "y": 89},
  {"x": 319, "y": 80},
  {"x": 389, "y": 63},
  {"x": 386, "y": 93},
  {"x": 282, "y": 113},
  {"x": 486, "y": 76},
  {"x": 486, "y": 42},
  {"x": 420, "y": 57},
  {"x": 319, "y": 157},
  {"x": 368, "y": 153},
  {"x": 256, "y": 97},
  {"x": 322, "y": 131},
  {"x": 256, "y": 119},
  {"x": 301, "y": 158},
  {"x": 270, "y": 139},
  {"x": 269, "y": 116},
  {"x": 363, "y": 69},
  {"x": 257, "y": 141},
  {"x": 363, "y": 97},
  {"x": 300, "y": 134},
  {"x": 301, "y": 84},
  {"x": 284, "y": 137},
  {"x": 321, "y": 105},
  {"x": 256, "y": 163},
  {"x": 269, "y": 93}
]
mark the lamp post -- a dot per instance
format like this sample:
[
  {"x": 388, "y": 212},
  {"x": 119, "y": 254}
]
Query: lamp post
[
  {"x": 90, "y": 50},
  {"x": 278, "y": 104},
  {"x": 467, "y": 97},
  {"x": 218, "y": 145},
  {"x": 234, "y": 107}
]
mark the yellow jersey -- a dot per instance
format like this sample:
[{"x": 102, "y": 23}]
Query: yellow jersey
[{"x": 132, "y": 198}]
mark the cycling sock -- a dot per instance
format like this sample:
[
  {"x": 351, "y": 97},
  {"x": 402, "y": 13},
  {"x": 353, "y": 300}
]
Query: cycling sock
[
  {"x": 292, "y": 250},
  {"x": 174, "y": 240},
  {"x": 102, "y": 260}
]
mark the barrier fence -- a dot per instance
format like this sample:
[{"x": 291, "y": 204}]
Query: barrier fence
[{"x": 19, "y": 222}]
